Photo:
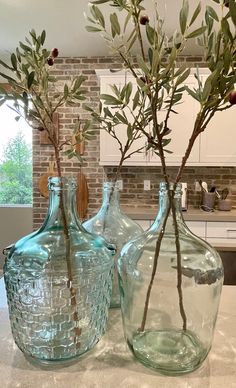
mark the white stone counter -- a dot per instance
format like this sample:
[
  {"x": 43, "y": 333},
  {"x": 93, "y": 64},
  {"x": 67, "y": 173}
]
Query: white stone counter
[
  {"x": 192, "y": 214},
  {"x": 111, "y": 365}
]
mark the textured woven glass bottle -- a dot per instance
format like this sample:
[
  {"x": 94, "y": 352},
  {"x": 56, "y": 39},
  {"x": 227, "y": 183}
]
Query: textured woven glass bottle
[
  {"x": 167, "y": 328},
  {"x": 58, "y": 283},
  {"x": 115, "y": 226}
]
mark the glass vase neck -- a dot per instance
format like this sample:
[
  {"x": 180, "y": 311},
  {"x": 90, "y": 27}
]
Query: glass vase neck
[
  {"x": 171, "y": 192},
  {"x": 111, "y": 194},
  {"x": 62, "y": 202},
  {"x": 169, "y": 201}
]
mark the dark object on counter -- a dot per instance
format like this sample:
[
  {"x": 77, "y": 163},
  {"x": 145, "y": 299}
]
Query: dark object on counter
[
  {"x": 224, "y": 204},
  {"x": 224, "y": 193},
  {"x": 208, "y": 201}
]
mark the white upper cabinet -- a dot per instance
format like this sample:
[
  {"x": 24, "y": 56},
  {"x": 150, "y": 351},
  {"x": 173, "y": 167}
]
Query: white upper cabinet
[
  {"x": 218, "y": 141},
  {"x": 216, "y": 146}
]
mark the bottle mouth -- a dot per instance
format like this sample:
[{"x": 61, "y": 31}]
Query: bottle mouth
[
  {"x": 56, "y": 183},
  {"x": 164, "y": 187},
  {"x": 110, "y": 185}
]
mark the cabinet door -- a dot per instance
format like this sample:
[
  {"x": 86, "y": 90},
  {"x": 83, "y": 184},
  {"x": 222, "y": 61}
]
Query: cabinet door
[
  {"x": 109, "y": 147},
  {"x": 218, "y": 141},
  {"x": 181, "y": 125}
]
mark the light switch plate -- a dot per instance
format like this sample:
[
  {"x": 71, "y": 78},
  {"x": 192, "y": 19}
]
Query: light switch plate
[
  {"x": 120, "y": 184},
  {"x": 146, "y": 185}
]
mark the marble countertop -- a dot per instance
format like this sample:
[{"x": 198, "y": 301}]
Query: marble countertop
[
  {"x": 192, "y": 214},
  {"x": 110, "y": 364}
]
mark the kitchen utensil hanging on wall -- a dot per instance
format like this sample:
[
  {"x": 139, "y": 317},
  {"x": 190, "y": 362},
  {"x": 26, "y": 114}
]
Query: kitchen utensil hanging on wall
[
  {"x": 82, "y": 195},
  {"x": 43, "y": 180},
  {"x": 79, "y": 147}
]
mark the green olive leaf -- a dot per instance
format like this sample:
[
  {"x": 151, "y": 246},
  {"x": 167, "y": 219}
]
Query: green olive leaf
[
  {"x": 14, "y": 61},
  {"x": 212, "y": 13},
  {"x": 115, "y": 25},
  {"x": 6, "y": 65},
  {"x": 197, "y": 32},
  {"x": 30, "y": 79},
  {"x": 183, "y": 16},
  {"x": 136, "y": 100},
  {"x": 43, "y": 37},
  {"x": 129, "y": 131},
  {"x": 110, "y": 100},
  {"x": 232, "y": 9},
  {"x": 183, "y": 77},
  {"x": 93, "y": 29},
  {"x": 195, "y": 14}
]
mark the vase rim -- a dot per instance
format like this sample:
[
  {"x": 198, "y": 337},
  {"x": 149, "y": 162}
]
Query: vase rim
[
  {"x": 110, "y": 184},
  {"x": 61, "y": 183},
  {"x": 164, "y": 185}
]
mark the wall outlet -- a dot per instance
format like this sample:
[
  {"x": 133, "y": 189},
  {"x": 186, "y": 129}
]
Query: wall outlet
[
  {"x": 119, "y": 184},
  {"x": 197, "y": 186},
  {"x": 146, "y": 185}
]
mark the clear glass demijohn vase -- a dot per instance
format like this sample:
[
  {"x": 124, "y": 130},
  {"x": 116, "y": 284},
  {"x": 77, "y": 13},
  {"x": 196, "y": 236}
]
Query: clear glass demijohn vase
[
  {"x": 115, "y": 226},
  {"x": 58, "y": 283},
  {"x": 169, "y": 296}
]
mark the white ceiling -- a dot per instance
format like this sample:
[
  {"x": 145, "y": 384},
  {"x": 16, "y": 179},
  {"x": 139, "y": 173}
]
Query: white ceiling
[{"x": 65, "y": 23}]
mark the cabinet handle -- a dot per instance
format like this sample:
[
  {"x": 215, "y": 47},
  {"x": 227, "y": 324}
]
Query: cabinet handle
[{"x": 231, "y": 230}]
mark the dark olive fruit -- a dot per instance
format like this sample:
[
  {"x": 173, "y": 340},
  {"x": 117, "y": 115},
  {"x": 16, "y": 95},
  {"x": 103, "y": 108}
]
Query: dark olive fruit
[
  {"x": 143, "y": 79},
  {"x": 54, "y": 52},
  {"x": 232, "y": 98},
  {"x": 144, "y": 19},
  {"x": 226, "y": 3},
  {"x": 50, "y": 61}
]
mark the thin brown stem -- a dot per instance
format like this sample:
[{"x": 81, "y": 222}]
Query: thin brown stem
[
  {"x": 179, "y": 260},
  {"x": 154, "y": 269},
  {"x": 119, "y": 168},
  {"x": 129, "y": 66},
  {"x": 77, "y": 330}
]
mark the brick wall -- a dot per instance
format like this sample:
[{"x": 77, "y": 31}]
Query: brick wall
[{"x": 64, "y": 69}]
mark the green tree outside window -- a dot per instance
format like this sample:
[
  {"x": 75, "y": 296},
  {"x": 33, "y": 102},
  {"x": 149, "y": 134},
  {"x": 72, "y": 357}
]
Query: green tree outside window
[{"x": 16, "y": 172}]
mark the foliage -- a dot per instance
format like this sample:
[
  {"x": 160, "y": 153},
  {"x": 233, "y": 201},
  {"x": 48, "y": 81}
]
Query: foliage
[
  {"x": 36, "y": 93},
  {"x": 160, "y": 79},
  {"x": 16, "y": 172}
]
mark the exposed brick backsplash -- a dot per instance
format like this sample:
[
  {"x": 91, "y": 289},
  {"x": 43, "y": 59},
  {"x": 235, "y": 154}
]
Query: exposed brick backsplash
[{"x": 64, "y": 69}]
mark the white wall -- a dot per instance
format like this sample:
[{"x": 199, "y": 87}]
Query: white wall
[{"x": 15, "y": 222}]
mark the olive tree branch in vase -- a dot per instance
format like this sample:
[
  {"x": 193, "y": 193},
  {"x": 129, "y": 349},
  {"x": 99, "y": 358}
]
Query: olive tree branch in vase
[
  {"x": 160, "y": 78},
  {"x": 162, "y": 81}
]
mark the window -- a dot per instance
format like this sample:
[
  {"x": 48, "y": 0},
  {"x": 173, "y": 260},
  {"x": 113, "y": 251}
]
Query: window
[{"x": 15, "y": 159}]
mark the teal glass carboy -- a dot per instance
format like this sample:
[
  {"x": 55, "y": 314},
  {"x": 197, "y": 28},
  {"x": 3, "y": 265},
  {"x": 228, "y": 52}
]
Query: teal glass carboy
[
  {"x": 170, "y": 284},
  {"x": 115, "y": 226},
  {"x": 58, "y": 283}
]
